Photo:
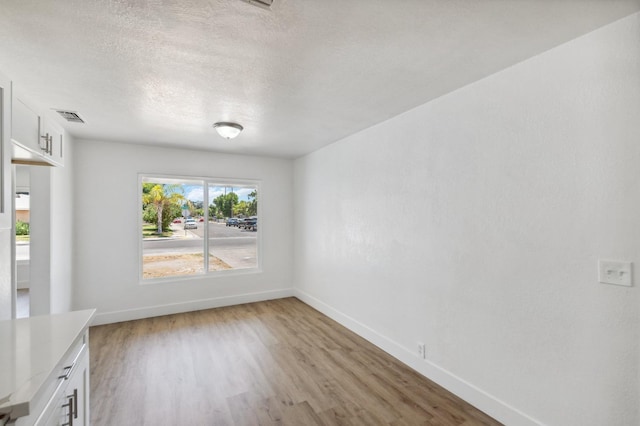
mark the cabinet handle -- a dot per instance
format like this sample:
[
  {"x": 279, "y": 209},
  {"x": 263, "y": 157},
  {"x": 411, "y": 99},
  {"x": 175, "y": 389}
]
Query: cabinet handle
[
  {"x": 48, "y": 144},
  {"x": 68, "y": 369},
  {"x": 75, "y": 403},
  {"x": 70, "y": 414}
]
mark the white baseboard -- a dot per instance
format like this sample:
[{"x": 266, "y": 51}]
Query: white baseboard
[
  {"x": 193, "y": 305},
  {"x": 494, "y": 407}
]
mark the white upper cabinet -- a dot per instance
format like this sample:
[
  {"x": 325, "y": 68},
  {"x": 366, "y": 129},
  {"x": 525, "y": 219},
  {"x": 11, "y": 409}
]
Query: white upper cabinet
[
  {"x": 25, "y": 125},
  {"x": 36, "y": 138}
]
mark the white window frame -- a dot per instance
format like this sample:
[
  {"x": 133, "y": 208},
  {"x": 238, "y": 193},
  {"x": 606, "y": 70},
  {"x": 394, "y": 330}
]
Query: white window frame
[{"x": 206, "y": 182}]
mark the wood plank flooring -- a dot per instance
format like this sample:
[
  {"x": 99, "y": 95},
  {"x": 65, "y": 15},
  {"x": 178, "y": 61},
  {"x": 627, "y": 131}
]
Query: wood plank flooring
[{"x": 270, "y": 363}]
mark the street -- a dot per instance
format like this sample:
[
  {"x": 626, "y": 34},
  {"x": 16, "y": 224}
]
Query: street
[
  {"x": 235, "y": 247},
  {"x": 191, "y": 245}
]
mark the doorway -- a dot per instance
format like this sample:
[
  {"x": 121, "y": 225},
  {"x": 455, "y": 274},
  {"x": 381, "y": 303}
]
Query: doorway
[
  {"x": 33, "y": 255},
  {"x": 22, "y": 206}
]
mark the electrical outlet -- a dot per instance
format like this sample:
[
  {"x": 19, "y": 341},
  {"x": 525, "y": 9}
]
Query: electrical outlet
[
  {"x": 615, "y": 272},
  {"x": 422, "y": 350}
]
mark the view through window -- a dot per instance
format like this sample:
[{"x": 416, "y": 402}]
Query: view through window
[{"x": 184, "y": 218}]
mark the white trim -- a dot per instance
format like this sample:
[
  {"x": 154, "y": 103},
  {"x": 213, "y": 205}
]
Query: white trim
[
  {"x": 193, "y": 305},
  {"x": 475, "y": 396},
  {"x": 212, "y": 274}
]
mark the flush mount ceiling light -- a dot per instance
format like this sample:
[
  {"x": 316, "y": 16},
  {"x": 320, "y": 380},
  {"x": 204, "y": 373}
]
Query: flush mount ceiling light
[{"x": 227, "y": 130}]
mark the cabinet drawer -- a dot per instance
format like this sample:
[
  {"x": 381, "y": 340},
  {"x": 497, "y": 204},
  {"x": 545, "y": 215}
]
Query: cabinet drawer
[{"x": 69, "y": 362}]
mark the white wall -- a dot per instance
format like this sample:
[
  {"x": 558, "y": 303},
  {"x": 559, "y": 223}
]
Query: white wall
[
  {"x": 106, "y": 261},
  {"x": 6, "y": 289},
  {"x": 52, "y": 230},
  {"x": 474, "y": 224},
  {"x": 62, "y": 231},
  {"x": 40, "y": 230}
]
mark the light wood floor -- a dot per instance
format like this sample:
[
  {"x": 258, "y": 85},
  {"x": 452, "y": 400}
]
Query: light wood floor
[{"x": 277, "y": 362}]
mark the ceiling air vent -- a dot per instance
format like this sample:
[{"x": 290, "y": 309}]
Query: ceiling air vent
[
  {"x": 265, "y": 4},
  {"x": 70, "y": 116}
]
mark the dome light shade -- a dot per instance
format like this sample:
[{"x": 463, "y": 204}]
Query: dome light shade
[{"x": 228, "y": 130}]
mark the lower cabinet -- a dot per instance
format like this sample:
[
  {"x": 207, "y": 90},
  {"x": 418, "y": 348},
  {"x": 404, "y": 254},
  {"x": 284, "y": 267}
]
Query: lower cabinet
[
  {"x": 78, "y": 391},
  {"x": 68, "y": 405}
]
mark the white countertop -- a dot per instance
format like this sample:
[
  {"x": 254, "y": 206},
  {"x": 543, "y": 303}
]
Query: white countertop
[{"x": 30, "y": 349}]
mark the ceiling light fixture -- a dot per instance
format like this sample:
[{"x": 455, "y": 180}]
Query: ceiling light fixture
[{"x": 227, "y": 130}]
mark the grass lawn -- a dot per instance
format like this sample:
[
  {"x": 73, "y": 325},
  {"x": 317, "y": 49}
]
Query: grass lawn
[
  {"x": 22, "y": 237},
  {"x": 150, "y": 230}
]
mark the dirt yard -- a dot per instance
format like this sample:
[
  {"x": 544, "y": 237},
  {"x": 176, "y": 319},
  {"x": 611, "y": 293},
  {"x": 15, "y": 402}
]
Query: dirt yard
[{"x": 178, "y": 264}]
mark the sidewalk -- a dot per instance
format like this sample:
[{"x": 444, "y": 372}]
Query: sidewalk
[{"x": 179, "y": 233}]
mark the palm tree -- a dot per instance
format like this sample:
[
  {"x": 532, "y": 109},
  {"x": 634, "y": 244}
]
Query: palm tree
[{"x": 161, "y": 195}]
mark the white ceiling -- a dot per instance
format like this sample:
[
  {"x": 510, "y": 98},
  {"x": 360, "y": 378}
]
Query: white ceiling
[{"x": 299, "y": 76}]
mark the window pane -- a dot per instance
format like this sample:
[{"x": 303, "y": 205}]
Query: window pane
[
  {"x": 172, "y": 228},
  {"x": 233, "y": 226}
]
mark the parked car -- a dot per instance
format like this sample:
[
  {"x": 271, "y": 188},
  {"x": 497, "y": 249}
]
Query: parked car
[
  {"x": 232, "y": 221},
  {"x": 178, "y": 220},
  {"x": 251, "y": 223},
  {"x": 190, "y": 224},
  {"x": 201, "y": 219}
]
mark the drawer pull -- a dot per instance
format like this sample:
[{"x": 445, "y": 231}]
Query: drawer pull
[{"x": 67, "y": 371}]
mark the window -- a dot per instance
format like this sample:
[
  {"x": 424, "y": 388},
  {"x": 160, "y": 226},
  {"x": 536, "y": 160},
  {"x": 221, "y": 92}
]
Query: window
[{"x": 183, "y": 218}]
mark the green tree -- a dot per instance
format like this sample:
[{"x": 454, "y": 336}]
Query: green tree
[
  {"x": 225, "y": 203},
  {"x": 213, "y": 210},
  {"x": 241, "y": 209},
  {"x": 165, "y": 199},
  {"x": 252, "y": 209},
  {"x": 150, "y": 214}
]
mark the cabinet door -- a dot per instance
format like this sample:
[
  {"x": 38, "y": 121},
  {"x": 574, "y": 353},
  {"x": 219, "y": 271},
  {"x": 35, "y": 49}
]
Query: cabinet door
[
  {"x": 78, "y": 390},
  {"x": 55, "y": 134},
  {"x": 25, "y": 128},
  {"x": 69, "y": 404},
  {"x": 5, "y": 153}
]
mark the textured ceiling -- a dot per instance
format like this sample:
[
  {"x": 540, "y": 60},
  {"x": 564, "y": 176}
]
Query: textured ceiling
[{"x": 298, "y": 76}]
